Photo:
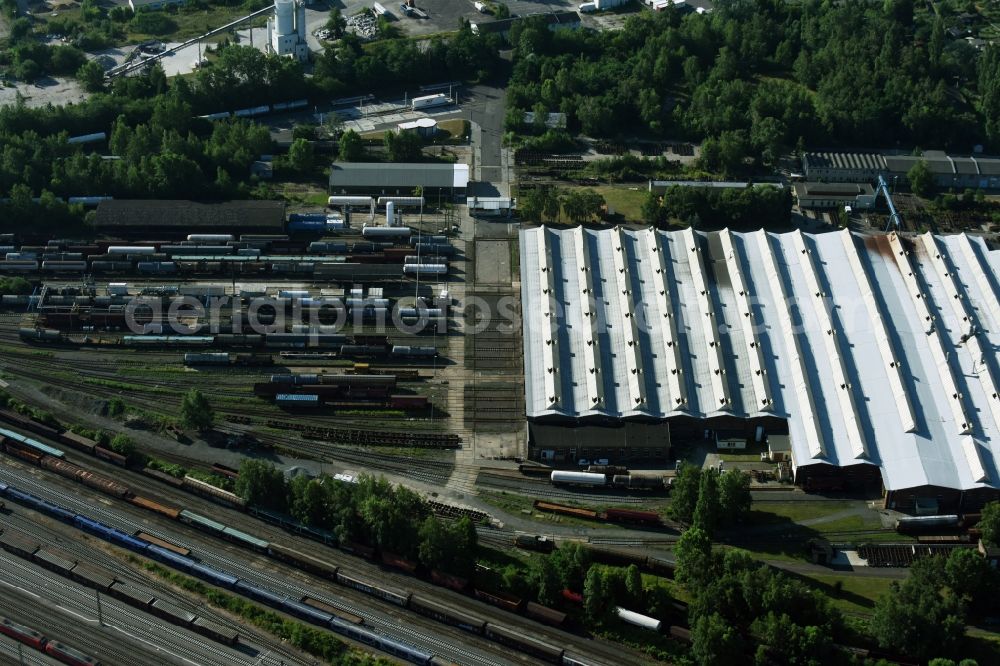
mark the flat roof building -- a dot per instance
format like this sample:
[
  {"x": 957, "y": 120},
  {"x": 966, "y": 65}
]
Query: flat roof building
[
  {"x": 397, "y": 178},
  {"x": 873, "y": 353}
]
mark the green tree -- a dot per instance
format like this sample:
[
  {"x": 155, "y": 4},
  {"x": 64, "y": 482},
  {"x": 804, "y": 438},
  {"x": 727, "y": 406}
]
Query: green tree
[
  {"x": 302, "y": 156},
  {"x": 403, "y": 147},
  {"x": 694, "y": 557},
  {"x": 970, "y": 576},
  {"x": 917, "y": 616},
  {"x": 989, "y": 524},
  {"x": 196, "y": 412},
  {"x": 714, "y": 641},
  {"x": 684, "y": 493},
  {"x": 28, "y": 70},
  {"x": 734, "y": 496},
  {"x": 707, "y": 510},
  {"x": 351, "y": 147},
  {"x": 435, "y": 549},
  {"x": 14, "y": 285},
  {"x": 633, "y": 586},
  {"x": 546, "y": 581},
  {"x": 597, "y": 600},
  {"x": 123, "y": 445},
  {"x": 20, "y": 29},
  {"x": 261, "y": 484},
  {"x": 921, "y": 179},
  {"x": 572, "y": 561},
  {"x": 336, "y": 24}
]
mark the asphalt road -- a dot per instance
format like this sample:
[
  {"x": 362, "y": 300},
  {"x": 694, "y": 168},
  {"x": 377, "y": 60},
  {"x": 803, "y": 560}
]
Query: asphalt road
[{"x": 486, "y": 109}]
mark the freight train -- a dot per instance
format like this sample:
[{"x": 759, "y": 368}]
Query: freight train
[
  {"x": 19, "y": 544},
  {"x": 630, "y": 516},
  {"x": 298, "y": 607},
  {"x": 631, "y": 481},
  {"x": 215, "y": 254},
  {"x": 171, "y": 556}
]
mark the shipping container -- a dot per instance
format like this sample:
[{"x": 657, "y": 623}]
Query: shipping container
[{"x": 429, "y": 101}]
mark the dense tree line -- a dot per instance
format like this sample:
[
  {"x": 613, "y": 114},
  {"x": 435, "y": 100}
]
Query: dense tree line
[
  {"x": 350, "y": 67},
  {"x": 767, "y": 75},
  {"x": 371, "y": 511},
  {"x": 715, "y": 208},
  {"x": 160, "y": 149},
  {"x": 549, "y": 203}
]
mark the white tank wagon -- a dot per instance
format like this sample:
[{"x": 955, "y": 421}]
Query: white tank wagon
[
  {"x": 401, "y": 201},
  {"x": 131, "y": 249},
  {"x": 425, "y": 269},
  {"x": 350, "y": 201},
  {"x": 578, "y": 478},
  {"x": 386, "y": 232},
  {"x": 209, "y": 238},
  {"x": 638, "y": 619}
]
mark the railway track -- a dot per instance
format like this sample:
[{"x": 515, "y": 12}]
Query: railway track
[
  {"x": 208, "y": 550},
  {"x": 80, "y": 548},
  {"x": 545, "y": 489}
]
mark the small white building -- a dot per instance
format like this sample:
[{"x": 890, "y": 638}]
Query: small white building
[{"x": 425, "y": 127}]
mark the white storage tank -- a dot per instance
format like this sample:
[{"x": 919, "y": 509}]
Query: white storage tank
[
  {"x": 390, "y": 214},
  {"x": 284, "y": 14},
  {"x": 578, "y": 478},
  {"x": 638, "y": 620}
]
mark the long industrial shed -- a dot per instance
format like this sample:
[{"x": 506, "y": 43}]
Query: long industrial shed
[{"x": 876, "y": 352}]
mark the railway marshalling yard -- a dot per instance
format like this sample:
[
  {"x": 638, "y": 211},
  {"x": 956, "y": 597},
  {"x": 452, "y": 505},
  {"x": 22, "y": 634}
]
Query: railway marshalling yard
[{"x": 452, "y": 429}]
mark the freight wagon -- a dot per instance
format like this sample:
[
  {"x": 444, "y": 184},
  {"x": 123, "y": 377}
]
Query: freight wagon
[
  {"x": 500, "y": 600},
  {"x": 526, "y": 644},
  {"x": 398, "y": 597},
  {"x": 447, "y": 614}
]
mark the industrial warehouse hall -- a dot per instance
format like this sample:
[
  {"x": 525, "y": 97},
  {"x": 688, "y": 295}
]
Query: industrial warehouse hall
[{"x": 877, "y": 350}]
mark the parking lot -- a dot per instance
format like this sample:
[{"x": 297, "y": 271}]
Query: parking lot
[{"x": 444, "y": 15}]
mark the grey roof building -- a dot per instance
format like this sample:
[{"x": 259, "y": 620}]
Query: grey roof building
[
  {"x": 859, "y": 345},
  {"x": 397, "y": 177},
  {"x": 843, "y": 167},
  {"x": 832, "y": 195},
  {"x": 950, "y": 171}
]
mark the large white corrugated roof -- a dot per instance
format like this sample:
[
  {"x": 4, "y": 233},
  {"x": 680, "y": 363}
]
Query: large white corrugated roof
[{"x": 877, "y": 349}]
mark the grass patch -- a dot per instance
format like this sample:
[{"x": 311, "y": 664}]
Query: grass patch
[
  {"x": 307, "y": 638},
  {"x": 198, "y": 22},
  {"x": 775, "y": 530},
  {"x": 124, "y": 386},
  {"x": 850, "y": 594},
  {"x": 456, "y": 129},
  {"x": 624, "y": 201}
]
